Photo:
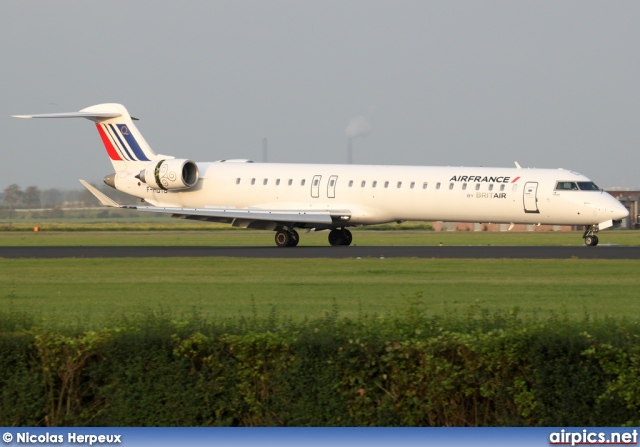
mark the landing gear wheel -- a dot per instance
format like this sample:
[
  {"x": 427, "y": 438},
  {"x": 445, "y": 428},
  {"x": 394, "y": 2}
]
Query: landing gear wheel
[
  {"x": 590, "y": 238},
  {"x": 334, "y": 237},
  {"x": 295, "y": 238},
  {"x": 287, "y": 238},
  {"x": 348, "y": 237},
  {"x": 591, "y": 241},
  {"x": 340, "y": 237},
  {"x": 283, "y": 238}
]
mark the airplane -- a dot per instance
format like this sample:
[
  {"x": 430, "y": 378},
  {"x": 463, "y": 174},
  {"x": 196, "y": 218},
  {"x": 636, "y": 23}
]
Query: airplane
[{"x": 283, "y": 197}]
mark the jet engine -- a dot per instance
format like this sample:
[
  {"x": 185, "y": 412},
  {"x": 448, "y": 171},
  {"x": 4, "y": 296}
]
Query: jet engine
[{"x": 170, "y": 174}]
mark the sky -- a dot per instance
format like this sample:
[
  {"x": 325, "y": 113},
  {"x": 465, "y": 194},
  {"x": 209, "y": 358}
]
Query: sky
[{"x": 440, "y": 83}]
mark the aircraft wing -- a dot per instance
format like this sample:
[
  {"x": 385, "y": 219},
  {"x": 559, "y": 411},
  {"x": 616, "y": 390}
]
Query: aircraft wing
[{"x": 244, "y": 217}]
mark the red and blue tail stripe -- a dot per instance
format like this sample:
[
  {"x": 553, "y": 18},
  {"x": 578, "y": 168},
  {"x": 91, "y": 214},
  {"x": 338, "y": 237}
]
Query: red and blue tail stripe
[{"x": 120, "y": 143}]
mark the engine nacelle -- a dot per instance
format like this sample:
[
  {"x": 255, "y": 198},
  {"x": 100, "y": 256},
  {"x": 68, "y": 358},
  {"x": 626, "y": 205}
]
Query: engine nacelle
[{"x": 170, "y": 174}]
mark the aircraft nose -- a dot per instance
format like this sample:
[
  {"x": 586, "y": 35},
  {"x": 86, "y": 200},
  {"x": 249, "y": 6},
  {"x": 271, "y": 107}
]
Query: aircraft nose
[{"x": 619, "y": 210}]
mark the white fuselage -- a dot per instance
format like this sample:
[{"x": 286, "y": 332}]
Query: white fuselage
[
  {"x": 380, "y": 194},
  {"x": 282, "y": 197}
]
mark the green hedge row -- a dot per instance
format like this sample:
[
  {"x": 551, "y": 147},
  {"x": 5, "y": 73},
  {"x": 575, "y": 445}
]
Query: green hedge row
[{"x": 479, "y": 369}]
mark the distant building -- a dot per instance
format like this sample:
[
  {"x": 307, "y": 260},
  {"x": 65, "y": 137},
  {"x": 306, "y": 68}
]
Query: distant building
[
  {"x": 465, "y": 226},
  {"x": 630, "y": 201}
]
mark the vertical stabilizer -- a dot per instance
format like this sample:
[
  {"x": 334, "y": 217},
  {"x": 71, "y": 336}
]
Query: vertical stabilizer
[{"x": 125, "y": 145}]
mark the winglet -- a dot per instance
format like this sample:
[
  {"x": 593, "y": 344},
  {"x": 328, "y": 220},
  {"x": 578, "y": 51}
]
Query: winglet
[
  {"x": 106, "y": 201},
  {"x": 518, "y": 165}
]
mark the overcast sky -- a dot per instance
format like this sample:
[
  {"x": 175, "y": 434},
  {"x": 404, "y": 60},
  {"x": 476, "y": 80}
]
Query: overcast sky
[{"x": 460, "y": 83}]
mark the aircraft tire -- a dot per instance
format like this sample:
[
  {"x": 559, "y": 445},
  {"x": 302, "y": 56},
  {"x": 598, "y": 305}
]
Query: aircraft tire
[
  {"x": 335, "y": 237},
  {"x": 295, "y": 238},
  {"x": 283, "y": 238},
  {"x": 591, "y": 241},
  {"x": 347, "y": 237},
  {"x": 340, "y": 237}
]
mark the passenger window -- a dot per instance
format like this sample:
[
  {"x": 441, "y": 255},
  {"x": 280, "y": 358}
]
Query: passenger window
[
  {"x": 350, "y": 183},
  {"x": 277, "y": 182},
  {"x": 491, "y": 187},
  {"x": 477, "y": 186},
  {"x": 373, "y": 185},
  {"x": 264, "y": 182},
  {"x": 450, "y": 185},
  {"x": 464, "y": 186},
  {"x": 303, "y": 182},
  {"x": 412, "y": 185},
  {"x": 515, "y": 188},
  {"x": 238, "y": 181},
  {"x": 253, "y": 181},
  {"x": 438, "y": 185},
  {"x": 399, "y": 184},
  {"x": 424, "y": 185},
  {"x": 501, "y": 187},
  {"x": 290, "y": 182},
  {"x": 386, "y": 184},
  {"x": 363, "y": 183}
]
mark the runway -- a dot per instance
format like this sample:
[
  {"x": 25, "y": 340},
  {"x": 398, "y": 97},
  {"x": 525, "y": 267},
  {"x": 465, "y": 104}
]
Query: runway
[{"x": 460, "y": 252}]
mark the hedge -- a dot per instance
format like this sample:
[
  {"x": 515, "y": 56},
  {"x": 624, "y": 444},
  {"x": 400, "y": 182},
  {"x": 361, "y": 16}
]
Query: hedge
[{"x": 478, "y": 369}]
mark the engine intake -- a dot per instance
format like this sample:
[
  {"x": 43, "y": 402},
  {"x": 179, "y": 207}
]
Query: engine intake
[{"x": 170, "y": 174}]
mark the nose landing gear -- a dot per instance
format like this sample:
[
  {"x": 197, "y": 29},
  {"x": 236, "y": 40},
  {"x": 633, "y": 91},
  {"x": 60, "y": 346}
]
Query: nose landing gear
[
  {"x": 589, "y": 236},
  {"x": 591, "y": 241}
]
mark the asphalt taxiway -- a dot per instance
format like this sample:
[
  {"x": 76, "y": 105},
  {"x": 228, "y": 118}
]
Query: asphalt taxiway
[{"x": 470, "y": 252}]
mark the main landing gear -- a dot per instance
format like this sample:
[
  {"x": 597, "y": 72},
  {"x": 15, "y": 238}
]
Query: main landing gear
[
  {"x": 340, "y": 237},
  {"x": 287, "y": 237},
  {"x": 589, "y": 236}
]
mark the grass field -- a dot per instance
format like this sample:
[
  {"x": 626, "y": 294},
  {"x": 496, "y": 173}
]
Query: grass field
[
  {"x": 163, "y": 235},
  {"x": 90, "y": 292}
]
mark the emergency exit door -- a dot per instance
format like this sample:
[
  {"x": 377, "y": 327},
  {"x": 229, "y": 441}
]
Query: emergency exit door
[
  {"x": 331, "y": 186},
  {"x": 315, "y": 186},
  {"x": 531, "y": 197}
]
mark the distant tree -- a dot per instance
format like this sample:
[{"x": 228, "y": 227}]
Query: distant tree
[
  {"x": 31, "y": 197},
  {"x": 89, "y": 199},
  {"x": 53, "y": 212},
  {"x": 51, "y": 197},
  {"x": 12, "y": 196},
  {"x": 72, "y": 197}
]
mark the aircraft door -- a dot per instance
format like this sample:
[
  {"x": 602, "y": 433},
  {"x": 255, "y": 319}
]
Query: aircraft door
[
  {"x": 331, "y": 187},
  {"x": 315, "y": 186},
  {"x": 531, "y": 197}
]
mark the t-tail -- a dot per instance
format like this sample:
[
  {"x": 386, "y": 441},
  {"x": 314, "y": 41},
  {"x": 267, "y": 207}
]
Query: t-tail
[
  {"x": 131, "y": 156},
  {"x": 125, "y": 145}
]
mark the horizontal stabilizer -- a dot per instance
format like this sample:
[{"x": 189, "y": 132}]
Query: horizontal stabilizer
[
  {"x": 93, "y": 116},
  {"x": 106, "y": 201}
]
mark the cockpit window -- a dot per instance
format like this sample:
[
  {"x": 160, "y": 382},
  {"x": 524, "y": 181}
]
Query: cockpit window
[
  {"x": 588, "y": 186},
  {"x": 575, "y": 186},
  {"x": 566, "y": 186}
]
